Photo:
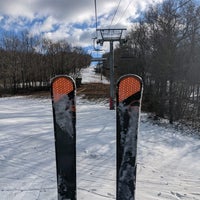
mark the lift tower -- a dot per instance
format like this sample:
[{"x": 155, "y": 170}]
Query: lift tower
[{"x": 111, "y": 35}]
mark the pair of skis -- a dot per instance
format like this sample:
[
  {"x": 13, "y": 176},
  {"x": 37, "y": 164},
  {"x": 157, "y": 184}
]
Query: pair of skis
[{"x": 128, "y": 101}]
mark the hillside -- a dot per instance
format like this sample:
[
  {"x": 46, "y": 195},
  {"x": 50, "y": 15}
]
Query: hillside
[{"x": 168, "y": 159}]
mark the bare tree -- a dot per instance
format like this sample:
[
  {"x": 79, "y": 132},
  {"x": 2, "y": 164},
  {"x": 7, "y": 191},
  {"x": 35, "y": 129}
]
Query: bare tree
[
  {"x": 29, "y": 62},
  {"x": 165, "y": 45}
]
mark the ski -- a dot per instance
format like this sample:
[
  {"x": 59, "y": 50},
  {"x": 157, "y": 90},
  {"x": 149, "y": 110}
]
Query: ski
[
  {"x": 128, "y": 100},
  {"x": 64, "y": 119}
]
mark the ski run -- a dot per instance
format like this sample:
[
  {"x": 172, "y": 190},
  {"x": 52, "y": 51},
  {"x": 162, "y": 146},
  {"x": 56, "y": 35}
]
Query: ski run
[{"x": 168, "y": 165}]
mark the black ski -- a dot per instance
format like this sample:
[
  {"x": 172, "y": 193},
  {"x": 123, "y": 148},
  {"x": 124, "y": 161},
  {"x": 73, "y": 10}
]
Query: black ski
[
  {"x": 129, "y": 94},
  {"x": 64, "y": 118}
]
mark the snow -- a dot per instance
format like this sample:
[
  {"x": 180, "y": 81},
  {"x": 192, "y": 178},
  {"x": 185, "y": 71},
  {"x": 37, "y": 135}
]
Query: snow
[
  {"x": 168, "y": 159},
  {"x": 63, "y": 114},
  {"x": 168, "y": 166},
  {"x": 89, "y": 75}
]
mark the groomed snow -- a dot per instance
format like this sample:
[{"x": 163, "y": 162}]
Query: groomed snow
[
  {"x": 89, "y": 76},
  {"x": 168, "y": 160}
]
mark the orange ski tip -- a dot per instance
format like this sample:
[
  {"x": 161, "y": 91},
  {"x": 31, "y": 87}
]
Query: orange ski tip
[
  {"x": 128, "y": 86},
  {"x": 61, "y": 86}
]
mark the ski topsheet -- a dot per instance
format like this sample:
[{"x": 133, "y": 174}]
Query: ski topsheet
[
  {"x": 64, "y": 118},
  {"x": 129, "y": 93}
]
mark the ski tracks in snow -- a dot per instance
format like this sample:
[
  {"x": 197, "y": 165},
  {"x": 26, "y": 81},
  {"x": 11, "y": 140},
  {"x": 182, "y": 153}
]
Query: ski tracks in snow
[
  {"x": 168, "y": 161},
  {"x": 96, "y": 152},
  {"x": 27, "y": 166}
]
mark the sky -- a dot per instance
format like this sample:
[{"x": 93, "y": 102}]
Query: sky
[{"x": 73, "y": 20}]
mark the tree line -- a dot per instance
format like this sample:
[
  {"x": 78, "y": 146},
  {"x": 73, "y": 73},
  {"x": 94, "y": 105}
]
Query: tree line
[
  {"x": 29, "y": 62},
  {"x": 163, "y": 47}
]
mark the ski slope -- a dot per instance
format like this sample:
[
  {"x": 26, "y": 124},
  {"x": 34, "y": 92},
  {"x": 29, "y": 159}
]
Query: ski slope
[{"x": 168, "y": 160}]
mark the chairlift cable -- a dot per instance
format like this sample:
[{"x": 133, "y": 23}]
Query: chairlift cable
[
  {"x": 124, "y": 12},
  {"x": 95, "y": 6},
  {"x": 115, "y": 13}
]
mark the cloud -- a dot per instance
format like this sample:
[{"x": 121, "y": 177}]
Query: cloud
[
  {"x": 73, "y": 20},
  {"x": 44, "y": 25},
  {"x": 16, "y": 8}
]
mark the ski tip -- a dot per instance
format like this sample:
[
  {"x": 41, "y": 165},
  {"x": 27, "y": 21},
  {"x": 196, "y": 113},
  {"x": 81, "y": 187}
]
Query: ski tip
[
  {"x": 69, "y": 78},
  {"x": 61, "y": 85},
  {"x": 128, "y": 85}
]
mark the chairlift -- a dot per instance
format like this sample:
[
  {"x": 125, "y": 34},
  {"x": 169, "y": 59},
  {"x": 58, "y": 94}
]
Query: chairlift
[
  {"x": 98, "y": 59},
  {"x": 94, "y": 46}
]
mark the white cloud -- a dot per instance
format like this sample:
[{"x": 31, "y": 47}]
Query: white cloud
[
  {"x": 16, "y": 8},
  {"x": 1, "y": 17},
  {"x": 43, "y": 26},
  {"x": 72, "y": 20},
  {"x": 48, "y": 24}
]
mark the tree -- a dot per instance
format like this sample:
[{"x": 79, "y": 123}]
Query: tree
[
  {"x": 29, "y": 62},
  {"x": 165, "y": 46}
]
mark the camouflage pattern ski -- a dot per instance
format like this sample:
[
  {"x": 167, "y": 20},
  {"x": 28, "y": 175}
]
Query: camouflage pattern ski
[
  {"x": 64, "y": 118},
  {"x": 129, "y": 94}
]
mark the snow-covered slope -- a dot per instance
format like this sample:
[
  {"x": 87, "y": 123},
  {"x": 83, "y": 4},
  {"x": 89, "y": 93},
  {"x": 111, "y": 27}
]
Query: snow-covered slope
[
  {"x": 89, "y": 76},
  {"x": 168, "y": 161}
]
